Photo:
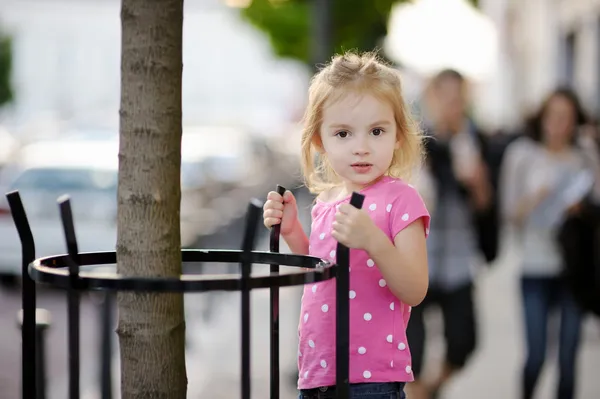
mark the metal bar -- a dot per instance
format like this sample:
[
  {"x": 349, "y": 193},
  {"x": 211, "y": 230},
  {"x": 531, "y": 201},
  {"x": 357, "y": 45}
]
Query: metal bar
[
  {"x": 41, "y": 326},
  {"x": 252, "y": 218},
  {"x": 28, "y": 297},
  {"x": 274, "y": 310},
  {"x": 73, "y": 296},
  {"x": 342, "y": 352},
  {"x": 106, "y": 320}
]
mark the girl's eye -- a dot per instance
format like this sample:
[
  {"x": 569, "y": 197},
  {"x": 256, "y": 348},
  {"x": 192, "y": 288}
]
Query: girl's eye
[
  {"x": 377, "y": 131},
  {"x": 342, "y": 134}
]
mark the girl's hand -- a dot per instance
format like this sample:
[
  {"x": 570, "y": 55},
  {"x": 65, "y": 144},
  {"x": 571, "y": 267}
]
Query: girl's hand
[
  {"x": 353, "y": 227},
  {"x": 281, "y": 210}
]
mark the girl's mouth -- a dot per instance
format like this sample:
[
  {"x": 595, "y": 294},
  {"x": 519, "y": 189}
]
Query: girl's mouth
[{"x": 361, "y": 167}]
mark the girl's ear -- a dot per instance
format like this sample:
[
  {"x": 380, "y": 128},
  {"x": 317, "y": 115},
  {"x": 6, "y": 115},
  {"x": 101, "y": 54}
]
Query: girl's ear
[
  {"x": 318, "y": 143},
  {"x": 398, "y": 142}
]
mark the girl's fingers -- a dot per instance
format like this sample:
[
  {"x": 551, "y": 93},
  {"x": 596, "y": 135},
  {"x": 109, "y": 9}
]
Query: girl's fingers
[
  {"x": 273, "y": 213},
  {"x": 270, "y": 222},
  {"x": 274, "y": 196}
]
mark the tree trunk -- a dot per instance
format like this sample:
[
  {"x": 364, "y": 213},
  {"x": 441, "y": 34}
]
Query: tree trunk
[{"x": 151, "y": 327}]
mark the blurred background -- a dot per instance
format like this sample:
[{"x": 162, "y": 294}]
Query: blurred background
[{"x": 247, "y": 65}]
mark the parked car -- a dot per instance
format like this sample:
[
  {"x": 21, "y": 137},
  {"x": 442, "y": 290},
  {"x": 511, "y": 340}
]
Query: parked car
[{"x": 42, "y": 172}]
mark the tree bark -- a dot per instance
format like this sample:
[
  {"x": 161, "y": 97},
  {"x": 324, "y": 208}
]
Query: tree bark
[{"x": 151, "y": 327}]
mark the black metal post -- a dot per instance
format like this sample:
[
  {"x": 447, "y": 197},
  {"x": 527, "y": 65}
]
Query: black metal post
[
  {"x": 343, "y": 313},
  {"x": 274, "y": 311},
  {"x": 252, "y": 218},
  {"x": 41, "y": 326},
  {"x": 28, "y": 297},
  {"x": 42, "y": 323},
  {"x": 73, "y": 296},
  {"x": 106, "y": 323}
]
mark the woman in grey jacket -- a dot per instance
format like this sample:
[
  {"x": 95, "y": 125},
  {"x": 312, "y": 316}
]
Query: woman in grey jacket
[{"x": 543, "y": 177}]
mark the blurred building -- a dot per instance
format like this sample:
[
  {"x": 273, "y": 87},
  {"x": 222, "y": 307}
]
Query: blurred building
[
  {"x": 67, "y": 65},
  {"x": 547, "y": 43}
]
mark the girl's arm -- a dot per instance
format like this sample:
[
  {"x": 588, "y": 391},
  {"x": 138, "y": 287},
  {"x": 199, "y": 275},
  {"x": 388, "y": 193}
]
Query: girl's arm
[
  {"x": 297, "y": 240},
  {"x": 403, "y": 263}
]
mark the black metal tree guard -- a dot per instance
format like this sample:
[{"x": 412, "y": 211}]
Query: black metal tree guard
[{"x": 74, "y": 272}]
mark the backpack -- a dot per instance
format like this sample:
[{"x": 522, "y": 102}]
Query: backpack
[
  {"x": 486, "y": 223},
  {"x": 578, "y": 239}
]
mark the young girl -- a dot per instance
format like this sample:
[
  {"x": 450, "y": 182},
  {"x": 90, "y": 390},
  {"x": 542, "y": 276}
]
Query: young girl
[{"x": 359, "y": 136}]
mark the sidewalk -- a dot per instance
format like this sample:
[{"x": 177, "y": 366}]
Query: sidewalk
[
  {"x": 494, "y": 372},
  {"x": 213, "y": 355},
  {"x": 213, "y": 363}
]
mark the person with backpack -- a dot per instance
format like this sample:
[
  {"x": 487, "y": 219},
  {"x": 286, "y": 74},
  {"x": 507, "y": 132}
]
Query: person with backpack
[{"x": 461, "y": 197}]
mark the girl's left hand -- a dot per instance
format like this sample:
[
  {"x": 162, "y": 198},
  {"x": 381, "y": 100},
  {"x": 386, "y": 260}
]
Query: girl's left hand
[{"x": 353, "y": 227}]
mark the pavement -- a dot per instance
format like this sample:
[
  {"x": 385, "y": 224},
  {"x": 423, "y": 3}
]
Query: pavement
[{"x": 213, "y": 327}]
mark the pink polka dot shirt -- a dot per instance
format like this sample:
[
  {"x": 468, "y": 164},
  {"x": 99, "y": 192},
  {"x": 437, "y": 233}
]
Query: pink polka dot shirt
[{"x": 378, "y": 348}]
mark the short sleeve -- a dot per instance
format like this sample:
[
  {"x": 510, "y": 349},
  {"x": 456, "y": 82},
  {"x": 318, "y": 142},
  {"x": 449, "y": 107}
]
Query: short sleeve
[{"x": 406, "y": 207}]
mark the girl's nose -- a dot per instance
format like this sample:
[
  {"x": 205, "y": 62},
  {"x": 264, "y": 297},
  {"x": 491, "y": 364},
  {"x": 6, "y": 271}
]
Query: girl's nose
[{"x": 361, "y": 147}]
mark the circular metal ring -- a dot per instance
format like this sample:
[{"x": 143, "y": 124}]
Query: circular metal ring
[{"x": 54, "y": 270}]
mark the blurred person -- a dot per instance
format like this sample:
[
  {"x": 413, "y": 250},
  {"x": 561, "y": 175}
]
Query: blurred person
[
  {"x": 545, "y": 176},
  {"x": 463, "y": 227},
  {"x": 362, "y": 136}
]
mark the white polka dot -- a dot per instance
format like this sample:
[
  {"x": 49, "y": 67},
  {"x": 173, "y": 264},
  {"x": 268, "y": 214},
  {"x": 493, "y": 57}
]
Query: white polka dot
[
  {"x": 372, "y": 207},
  {"x": 427, "y": 231},
  {"x": 409, "y": 309},
  {"x": 389, "y": 338},
  {"x": 332, "y": 254},
  {"x": 382, "y": 283},
  {"x": 314, "y": 288},
  {"x": 401, "y": 346},
  {"x": 408, "y": 369},
  {"x": 367, "y": 374},
  {"x": 305, "y": 374},
  {"x": 388, "y": 207},
  {"x": 392, "y": 306},
  {"x": 325, "y": 308},
  {"x": 305, "y": 317},
  {"x": 311, "y": 343},
  {"x": 370, "y": 263},
  {"x": 352, "y": 294},
  {"x": 411, "y": 186},
  {"x": 367, "y": 316},
  {"x": 392, "y": 363},
  {"x": 362, "y": 350},
  {"x": 405, "y": 217},
  {"x": 323, "y": 363},
  {"x": 299, "y": 353},
  {"x": 322, "y": 236}
]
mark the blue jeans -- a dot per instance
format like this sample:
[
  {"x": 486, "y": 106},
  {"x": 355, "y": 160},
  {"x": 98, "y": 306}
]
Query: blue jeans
[
  {"x": 377, "y": 390},
  {"x": 540, "y": 296}
]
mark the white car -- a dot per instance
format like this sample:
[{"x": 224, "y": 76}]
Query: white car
[{"x": 42, "y": 172}]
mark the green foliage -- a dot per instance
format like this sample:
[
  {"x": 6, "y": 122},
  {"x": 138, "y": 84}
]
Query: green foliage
[
  {"x": 358, "y": 24},
  {"x": 6, "y": 93}
]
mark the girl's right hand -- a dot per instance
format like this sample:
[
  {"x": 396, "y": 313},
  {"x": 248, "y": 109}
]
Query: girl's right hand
[{"x": 280, "y": 210}]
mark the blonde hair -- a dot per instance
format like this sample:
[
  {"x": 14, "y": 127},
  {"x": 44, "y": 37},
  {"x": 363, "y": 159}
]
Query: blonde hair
[{"x": 362, "y": 73}]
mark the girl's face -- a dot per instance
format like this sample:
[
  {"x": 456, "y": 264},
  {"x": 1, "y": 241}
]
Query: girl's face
[
  {"x": 558, "y": 122},
  {"x": 358, "y": 135}
]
